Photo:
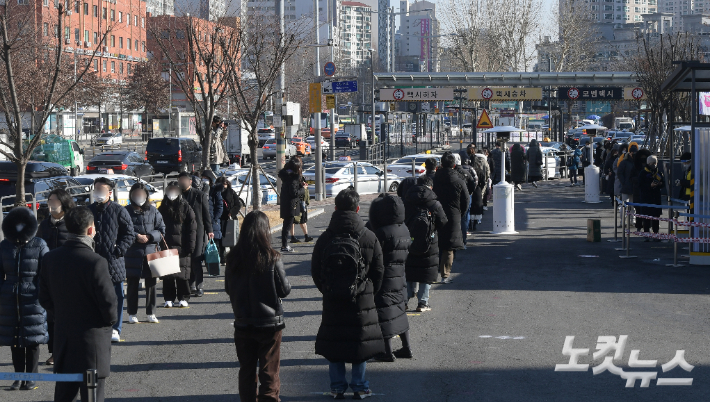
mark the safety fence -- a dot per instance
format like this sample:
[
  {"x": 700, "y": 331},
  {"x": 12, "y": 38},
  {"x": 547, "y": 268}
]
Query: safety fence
[
  {"x": 89, "y": 379},
  {"x": 678, "y": 219}
]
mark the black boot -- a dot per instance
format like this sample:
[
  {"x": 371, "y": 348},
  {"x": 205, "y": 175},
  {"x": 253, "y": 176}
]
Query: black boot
[
  {"x": 404, "y": 353},
  {"x": 308, "y": 239},
  {"x": 384, "y": 357},
  {"x": 294, "y": 239},
  {"x": 28, "y": 385},
  {"x": 15, "y": 386}
]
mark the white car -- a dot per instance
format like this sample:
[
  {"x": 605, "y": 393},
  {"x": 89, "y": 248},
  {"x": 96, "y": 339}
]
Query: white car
[
  {"x": 241, "y": 181},
  {"x": 268, "y": 150},
  {"x": 122, "y": 186},
  {"x": 109, "y": 139},
  {"x": 403, "y": 166},
  {"x": 265, "y": 134},
  {"x": 325, "y": 146},
  {"x": 339, "y": 176}
]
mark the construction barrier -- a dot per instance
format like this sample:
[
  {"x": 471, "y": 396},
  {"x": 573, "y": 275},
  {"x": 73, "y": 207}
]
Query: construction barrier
[{"x": 89, "y": 378}]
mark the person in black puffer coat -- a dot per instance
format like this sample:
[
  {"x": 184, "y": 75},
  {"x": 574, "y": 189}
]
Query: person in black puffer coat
[
  {"x": 349, "y": 331},
  {"x": 453, "y": 196},
  {"x": 291, "y": 193},
  {"x": 651, "y": 182},
  {"x": 387, "y": 222},
  {"x": 181, "y": 234},
  {"x": 53, "y": 230},
  {"x": 517, "y": 166},
  {"x": 469, "y": 176},
  {"x": 216, "y": 203},
  {"x": 114, "y": 235},
  {"x": 23, "y": 327},
  {"x": 422, "y": 268},
  {"x": 150, "y": 229},
  {"x": 640, "y": 159},
  {"x": 200, "y": 204},
  {"x": 232, "y": 206}
]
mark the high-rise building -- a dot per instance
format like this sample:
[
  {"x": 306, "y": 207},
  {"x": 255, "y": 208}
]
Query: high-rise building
[
  {"x": 160, "y": 7},
  {"x": 355, "y": 33},
  {"x": 418, "y": 37},
  {"x": 619, "y": 12},
  {"x": 211, "y": 10}
]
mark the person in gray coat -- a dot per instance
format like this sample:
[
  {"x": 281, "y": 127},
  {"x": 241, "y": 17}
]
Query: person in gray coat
[{"x": 150, "y": 229}]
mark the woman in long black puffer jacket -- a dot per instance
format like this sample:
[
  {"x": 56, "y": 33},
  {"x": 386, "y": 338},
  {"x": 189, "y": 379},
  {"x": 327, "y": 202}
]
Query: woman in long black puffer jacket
[
  {"x": 387, "y": 222},
  {"x": 291, "y": 193},
  {"x": 53, "y": 230},
  {"x": 180, "y": 234},
  {"x": 23, "y": 322}
]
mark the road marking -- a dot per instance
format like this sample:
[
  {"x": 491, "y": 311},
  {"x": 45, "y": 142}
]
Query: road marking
[
  {"x": 413, "y": 314},
  {"x": 502, "y": 337},
  {"x": 210, "y": 293},
  {"x": 222, "y": 280},
  {"x": 347, "y": 393}
]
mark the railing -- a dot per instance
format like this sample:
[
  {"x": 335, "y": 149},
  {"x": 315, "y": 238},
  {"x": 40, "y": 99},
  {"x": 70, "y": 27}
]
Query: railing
[{"x": 89, "y": 378}]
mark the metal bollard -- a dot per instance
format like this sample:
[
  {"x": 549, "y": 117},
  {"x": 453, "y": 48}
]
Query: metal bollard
[
  {"x": 628, "y": 238},
  {"x": 92, "y": 382},
  {"x": 386, "y": 189},
  {"x": 675, "y": 242},
  {"x": 355, "y": 176},
  {"x": 623, "y": 226},
  {"x": 616, "y": 221}
]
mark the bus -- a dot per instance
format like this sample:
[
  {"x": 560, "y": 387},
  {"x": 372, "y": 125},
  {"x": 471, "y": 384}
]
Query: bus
[{"x": 324, "y": 124}]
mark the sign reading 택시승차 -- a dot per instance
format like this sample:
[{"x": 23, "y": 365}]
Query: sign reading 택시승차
[{"x": 416, "y": 94}]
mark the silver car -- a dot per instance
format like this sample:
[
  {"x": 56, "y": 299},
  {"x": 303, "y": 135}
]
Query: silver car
[
  {"x": 269, "y": 149},
  {"x": 403, "y": 166},
  {"x": 340, "y": 175},
  {"x": 241, "y": 181}
]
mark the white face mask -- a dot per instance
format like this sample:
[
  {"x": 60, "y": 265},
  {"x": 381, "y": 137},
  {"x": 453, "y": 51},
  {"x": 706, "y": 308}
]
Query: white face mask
[
  {"x": 55, "y": 210},
  {"x": 100, "y": 197},
  {"x": 19, "y": 227},
  {"x": 172, "y": 196},
  {"x": 138, "y": 201}
]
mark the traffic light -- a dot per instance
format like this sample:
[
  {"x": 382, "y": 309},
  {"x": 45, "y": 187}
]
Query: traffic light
[{"x": 377, "y": 95}]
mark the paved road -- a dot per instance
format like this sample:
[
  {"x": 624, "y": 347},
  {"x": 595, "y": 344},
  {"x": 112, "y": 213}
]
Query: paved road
[{"x": 494, "y": 334}]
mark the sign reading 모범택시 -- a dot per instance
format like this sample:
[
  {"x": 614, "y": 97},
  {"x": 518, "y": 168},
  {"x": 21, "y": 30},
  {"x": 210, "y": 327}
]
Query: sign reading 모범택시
[
  {"x": 590, "y": 93},
  {"x": 416, "y": 94}
]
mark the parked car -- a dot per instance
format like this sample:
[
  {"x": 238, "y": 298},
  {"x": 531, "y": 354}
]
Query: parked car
[
  {"x": 167, "y": 155},
  {"x": 302, "y": 147},
  {"x": 268, "y": 150},
  {"x": 551, "y": 163},
  {"x": 41, "y": 187},
  {"x": 109, "y": 139},
  {"x": 340, "y": 175},
  {"x": 121, "y": 162},
  {"x": 241, "y": 184},
  {"x": 622, "y": 136},
  {"x": 640, "y": 139},
  {"x": 122, "y": 186},
  {"x": 324, "y": 145},
  {"x": 344, "y": 140},
  {"x": 403, "y": 166},
  {"x": 265, "y": 134}
]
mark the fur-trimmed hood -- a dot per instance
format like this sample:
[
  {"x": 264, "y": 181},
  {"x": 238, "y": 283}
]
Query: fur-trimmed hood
[{"x": 20, "y": 225}]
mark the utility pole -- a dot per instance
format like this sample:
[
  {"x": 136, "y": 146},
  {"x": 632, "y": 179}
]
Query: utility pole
[
  {"x": 280, "y": 138},
  {"x": 392, "y": 53},
  {"x": 316, "y": 116}
]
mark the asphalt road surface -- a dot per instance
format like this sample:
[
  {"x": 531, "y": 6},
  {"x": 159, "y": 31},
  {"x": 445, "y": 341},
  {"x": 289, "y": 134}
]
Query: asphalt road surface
[{"x": 494, "y": 334}]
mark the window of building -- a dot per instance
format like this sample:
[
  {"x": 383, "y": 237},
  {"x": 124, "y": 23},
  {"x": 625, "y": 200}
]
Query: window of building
[
  {"x": 86, "y": 8},
  {"x": 135, "y": 20},
  {"x": 142, "y": 46},
  {"x": 96, "y": 11},
  {"x": 45, "y": 3},
  {"x": 128, "y": 43},
  {"x": 67, "y": 33},
  {"x": 45, "y": 29},
  {"x": 128, "y": 68},
  {"x": 77, "y": 38},
  {"x": 96, "y": 37},
  {"x": 128, "y": 19},
  {"x": 104, "y": 13},
  {"x": 608, "y": 8},
  {"x": 96, "y": 64},
  {"x": 113, "y": 15},
  {"x": 77, "y": 7},
  {"x": 86, "y": 35},
  {"x": 120, "y": 68},
  {"x": 104, "y": 65},
  {"x": 120, "y": 42},
  {"x": 142, "y": 22},
  {"x": 113, "y": 66},
  {"x": 180, "y": 34},
  {"x": 113, "y": 41},
  {"x": 120, "y": 16},
  {"x": 23, "y": 2}
]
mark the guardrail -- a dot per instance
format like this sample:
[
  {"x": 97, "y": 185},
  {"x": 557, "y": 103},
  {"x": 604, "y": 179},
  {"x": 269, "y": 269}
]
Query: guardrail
[
  {"x": 671, "y": 236},
  {"x": 89, "y": 379}
]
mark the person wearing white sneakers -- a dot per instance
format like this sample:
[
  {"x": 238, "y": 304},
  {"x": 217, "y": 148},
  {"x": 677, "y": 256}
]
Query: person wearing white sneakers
[
  {"x": 150, "y": 229},
  {"x": 180, "y": 234}
]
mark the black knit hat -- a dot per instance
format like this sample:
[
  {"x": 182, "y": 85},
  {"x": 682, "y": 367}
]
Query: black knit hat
[{"x": 686, "y": 157}]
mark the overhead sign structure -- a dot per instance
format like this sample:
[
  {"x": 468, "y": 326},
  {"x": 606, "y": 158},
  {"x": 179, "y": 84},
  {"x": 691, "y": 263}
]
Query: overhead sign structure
[
  {"x": 416, "y": 94},
  {"x": 590, "y": 93},
  {"x": 504, "y": 94},
  {"x": 329, "y": 69},
  {"x": 484, "y": 121},
  {"x": 330, "y": 101},
  {"x": 634, "y": 94},
  {"x": 314, "y": 97},
  {"x": 336, "y": 87}
]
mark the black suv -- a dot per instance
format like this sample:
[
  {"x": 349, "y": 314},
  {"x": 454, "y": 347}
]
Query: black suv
[{"x": 173, "y": 154}]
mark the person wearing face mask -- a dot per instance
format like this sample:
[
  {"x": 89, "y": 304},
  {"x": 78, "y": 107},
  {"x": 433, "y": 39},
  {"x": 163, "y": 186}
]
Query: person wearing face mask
[
  {"x": 199, "y": 202},
  {"x": 150, "y": 229},
  {"x": 232, "y": 205},
  {"x": 114, "y": 236},
  {"x": 54, "y": 232},
  {"x": 180, "y": 234},
  {"x": 216, "y": 203},
  {"x": 76, "y": 286},
  {"x": 650, "y": 182},
  {"x": 23, "y": 322}
]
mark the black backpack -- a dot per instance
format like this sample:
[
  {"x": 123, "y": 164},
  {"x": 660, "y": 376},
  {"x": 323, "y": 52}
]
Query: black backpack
[
  {"x": 422, "y": 231},
  {"x": 342, "y": 267}
]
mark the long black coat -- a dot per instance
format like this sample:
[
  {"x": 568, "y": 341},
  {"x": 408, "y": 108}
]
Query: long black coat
[
  {"x": 291, "y": 193},
  {"x": 230, "y": 200},
  {"x": 216, "y": 208},
  {"x": 181, "y": 235},
  {"x": 77, "y": 287},
  {"x": 200, "y": 204},
  {"x": 496, "y": 155},
  {"x": 424, "y": 268},
  {"x": 149, "y": 223},
  {"x": 21, "y": 255},
  {"x": 387, "y": 222},
  {"x": 452, "y": 194},
  {"x": 114, "y": 235},
  {"x": 534, "y": 158},
  {"x": 350, "y": 330},
  {"x": 54, "y": 234},
  {"x": 517, "y": 164},
  {"x": 648, "y": 194}
]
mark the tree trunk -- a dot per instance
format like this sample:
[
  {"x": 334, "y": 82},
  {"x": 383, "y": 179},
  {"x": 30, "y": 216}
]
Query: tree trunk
[
  {"x": 20, "y": 185},
  {"x": 206, "y": 147},
  {"x": 255, "y": 184}
]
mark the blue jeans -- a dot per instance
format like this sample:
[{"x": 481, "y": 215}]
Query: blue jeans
[
  {"x": 422, "y": 294},
  {"x": 118, "y": 287},
  {"x": 338, "y": 382},
  {"x": 215, "y": 168}
]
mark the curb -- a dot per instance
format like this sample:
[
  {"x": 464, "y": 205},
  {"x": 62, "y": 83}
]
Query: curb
[{"x": 315, "y": 213}]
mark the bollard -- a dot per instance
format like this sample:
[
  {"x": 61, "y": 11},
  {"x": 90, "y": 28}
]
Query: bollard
[
  {"x": 91, "y": 382},
  {"x": 355, "y": 176},
  {"x": 623, "y": 226},
  {"x": 616, "y": 221},
  {"x": 628, "y": 238},
  {"x": 675, "y": 242},
  {"x": 414, "y": 169}
]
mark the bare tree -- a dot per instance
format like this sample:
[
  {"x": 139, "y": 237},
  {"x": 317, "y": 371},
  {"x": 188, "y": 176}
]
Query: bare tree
[
  {"x": 35, "y": 78},
  {"x": 262, "y": 51},
  {"x": 470, "y": 46},
  {"x": 147, "y": 89},
  {"x": 653, "y": 63},
  {"x": 202, "y": 57},
  {"x": 574, "y": 50}
]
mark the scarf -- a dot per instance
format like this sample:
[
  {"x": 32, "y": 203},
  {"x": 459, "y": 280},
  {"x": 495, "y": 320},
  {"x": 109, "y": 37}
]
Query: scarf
[
  {"x": 654, "y": 173},
  {"x": 89, "y": 241}
]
